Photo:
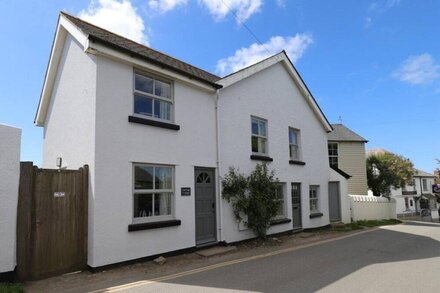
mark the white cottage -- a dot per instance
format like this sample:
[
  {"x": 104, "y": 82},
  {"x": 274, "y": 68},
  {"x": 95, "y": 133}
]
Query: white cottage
[
  {"x": 10, "y": 140},
  {"x": 412, "y": 199},
  {"x": 158, "y": 134}
]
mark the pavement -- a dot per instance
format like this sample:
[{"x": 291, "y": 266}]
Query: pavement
[{"x": 400, "y": 258}]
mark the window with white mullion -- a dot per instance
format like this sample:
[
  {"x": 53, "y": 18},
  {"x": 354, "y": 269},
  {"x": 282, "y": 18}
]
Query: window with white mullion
[
  {"x": 314, "y": 198},
  {"x": 152, "y": 97},
  {"x": 259, "y": 136},
  {"x": 294, "y": 150},
  {"x": 152, "y": 192}
]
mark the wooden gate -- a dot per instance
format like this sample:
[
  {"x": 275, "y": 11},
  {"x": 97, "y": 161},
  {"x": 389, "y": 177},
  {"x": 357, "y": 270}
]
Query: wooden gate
[{"x": 51, "y": 221}]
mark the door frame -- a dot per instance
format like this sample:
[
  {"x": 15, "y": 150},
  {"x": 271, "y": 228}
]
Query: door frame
[
  {"x": 215, "y": 203},
  {"x": 339, "y": 201}
]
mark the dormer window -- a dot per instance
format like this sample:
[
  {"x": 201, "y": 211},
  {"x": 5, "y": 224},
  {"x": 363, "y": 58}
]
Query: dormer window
[{"x": 153, "y": 97}]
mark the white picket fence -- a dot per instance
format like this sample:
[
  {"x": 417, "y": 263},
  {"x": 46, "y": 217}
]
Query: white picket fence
[{"x": 365, "y": 207}]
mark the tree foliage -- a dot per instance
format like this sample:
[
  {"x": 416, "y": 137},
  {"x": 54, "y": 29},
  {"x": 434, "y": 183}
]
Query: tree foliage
[
  {"x": 253, "y": 198},
  {"x": 386, "y": 170}
]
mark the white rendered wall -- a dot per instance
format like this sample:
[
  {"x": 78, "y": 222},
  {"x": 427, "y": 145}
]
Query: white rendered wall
[
  {"x": 10, "y": 138},
  {"x": 372, "y": 208},
  {"x": 69, "y": 129},
  {"x": 343, "y": 193},
  {"x": 119, "y": 143},
  {"x": 272, "y": 94}
]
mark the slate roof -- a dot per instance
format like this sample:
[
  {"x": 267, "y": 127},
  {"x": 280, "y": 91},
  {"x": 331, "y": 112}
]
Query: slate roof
[
  {"x": 120, "y": 43},
  {"x": 420, "y": 173},
  {"x": 342, "y": 133}
]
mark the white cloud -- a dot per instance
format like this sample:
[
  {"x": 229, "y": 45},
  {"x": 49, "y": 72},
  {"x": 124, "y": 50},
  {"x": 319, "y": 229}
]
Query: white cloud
[
  {"x": 163, "y": 6},
  {"x": 367, "y": 22},
  {"x": 295, "y": 47},
  {"x": 416, "y": 70},
  {"x": 383, "y": 5},
  {"x": 243, "y": 9},
  {"x": 118, "y": 16},
  {"x": 281, "y": 3}
]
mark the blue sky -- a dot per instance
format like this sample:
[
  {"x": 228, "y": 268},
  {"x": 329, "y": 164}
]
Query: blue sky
[{"x": 374, "y": 63}]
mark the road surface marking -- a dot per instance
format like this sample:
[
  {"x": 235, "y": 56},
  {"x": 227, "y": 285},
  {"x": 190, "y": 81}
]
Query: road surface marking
[{"x": 223, "y": 264}]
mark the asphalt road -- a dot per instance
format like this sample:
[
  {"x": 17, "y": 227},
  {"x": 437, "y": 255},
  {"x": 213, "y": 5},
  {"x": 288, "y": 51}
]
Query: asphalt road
[{"x": 402, "y": 258}]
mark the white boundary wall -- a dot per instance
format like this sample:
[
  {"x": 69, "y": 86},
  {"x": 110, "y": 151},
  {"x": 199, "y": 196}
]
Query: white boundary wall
[
  {"x": 372, "y": 208},
  {"x": 9, "y": 176}
]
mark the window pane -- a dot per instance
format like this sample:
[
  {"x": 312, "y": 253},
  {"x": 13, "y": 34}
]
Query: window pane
[
  {"x": 280, "y": 196},
  {"x": 143, "y": 205},
  {"x": 143, "y": 83},
  {"x": 254, "y": 126},
  {"x": 313, "y": 205},
  {"x": 262, "y": 145},
  {"x": 293, "y": 137},
  {"x": 294, "y": 152},
  {"x": 162, "y": 110},
  {"x": 143, "y": 176},
  {"x": 262, "y": 128},
  {"x": 162, "y": 204},
  {"x": 163, "y": 178},
  {"x": 143, "y": 105},
  {"x": 254, "y": 142},
  {"x": 162, "y": 89}
]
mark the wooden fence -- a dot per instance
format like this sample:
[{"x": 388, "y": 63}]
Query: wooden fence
[{"x": 51, "y": 221}]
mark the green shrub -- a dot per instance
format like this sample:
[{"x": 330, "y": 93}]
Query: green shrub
[{"x": 254, "y": 196}]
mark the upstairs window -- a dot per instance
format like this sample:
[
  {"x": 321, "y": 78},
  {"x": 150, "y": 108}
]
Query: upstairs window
[
  {"x": 294, "y": 150},
  {"x": 152, "y": 97},
  {"x": 259, "y": 136},
  {"x": 333, "y": 153},
  {"x": 425, "y": 184}
]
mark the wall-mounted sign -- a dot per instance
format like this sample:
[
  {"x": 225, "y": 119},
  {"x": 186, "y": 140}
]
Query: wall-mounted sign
[
  {"x": 185, "y": 191},
  {"x": 409, "y": 192},
  {"x": 59, "y": 194},
  {"x": 436, "y": 188}
]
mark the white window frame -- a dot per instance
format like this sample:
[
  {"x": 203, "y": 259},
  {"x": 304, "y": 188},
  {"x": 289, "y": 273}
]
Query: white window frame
[
  {"x": 425, "y": 185},
  {"x": 298, "y": 143},
  {"x": 153, "y": 96},
  {"x": 266, "y": 138},
  {"x": 152, "y": 191},
  {"x": 315, "y": 188},
  {"x": 406, "y": 199},
  {"x": 333, "y": 156},
  {"x": 283, "y": 200}
]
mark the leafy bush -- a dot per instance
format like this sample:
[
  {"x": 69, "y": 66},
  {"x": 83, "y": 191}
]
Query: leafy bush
[{"x": 254, "y": 198}]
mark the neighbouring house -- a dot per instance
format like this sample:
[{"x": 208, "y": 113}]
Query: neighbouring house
[
  {"x": 10, "y": 138},
  {"x": 158, "y": 134},
  {"x": 414, "y": 197},
  {"x": 346, "y": 154}
]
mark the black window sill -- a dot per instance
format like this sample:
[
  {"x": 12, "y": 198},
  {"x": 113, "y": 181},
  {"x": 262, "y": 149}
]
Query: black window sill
[
  {"x": 146, "y": 121},
  {"x": 316, "y": 215},
  {"x": 153, "y": 225},
  {"x": 294, "y": 162},
  {"x": 280, "y": 221},
  {"x": 261, "y": 158}
]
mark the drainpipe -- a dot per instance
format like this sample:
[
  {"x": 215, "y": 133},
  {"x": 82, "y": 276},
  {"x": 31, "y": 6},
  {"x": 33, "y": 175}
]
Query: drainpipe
[
  {"x": 421, "y": 191},
  {"x": 217, "y": 138}
]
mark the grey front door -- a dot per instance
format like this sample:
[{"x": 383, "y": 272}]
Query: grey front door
[
  {"x": 205, "y": 206},
  {"x": 296, "y": 205},
  {"x": 334, "y": 201}
]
